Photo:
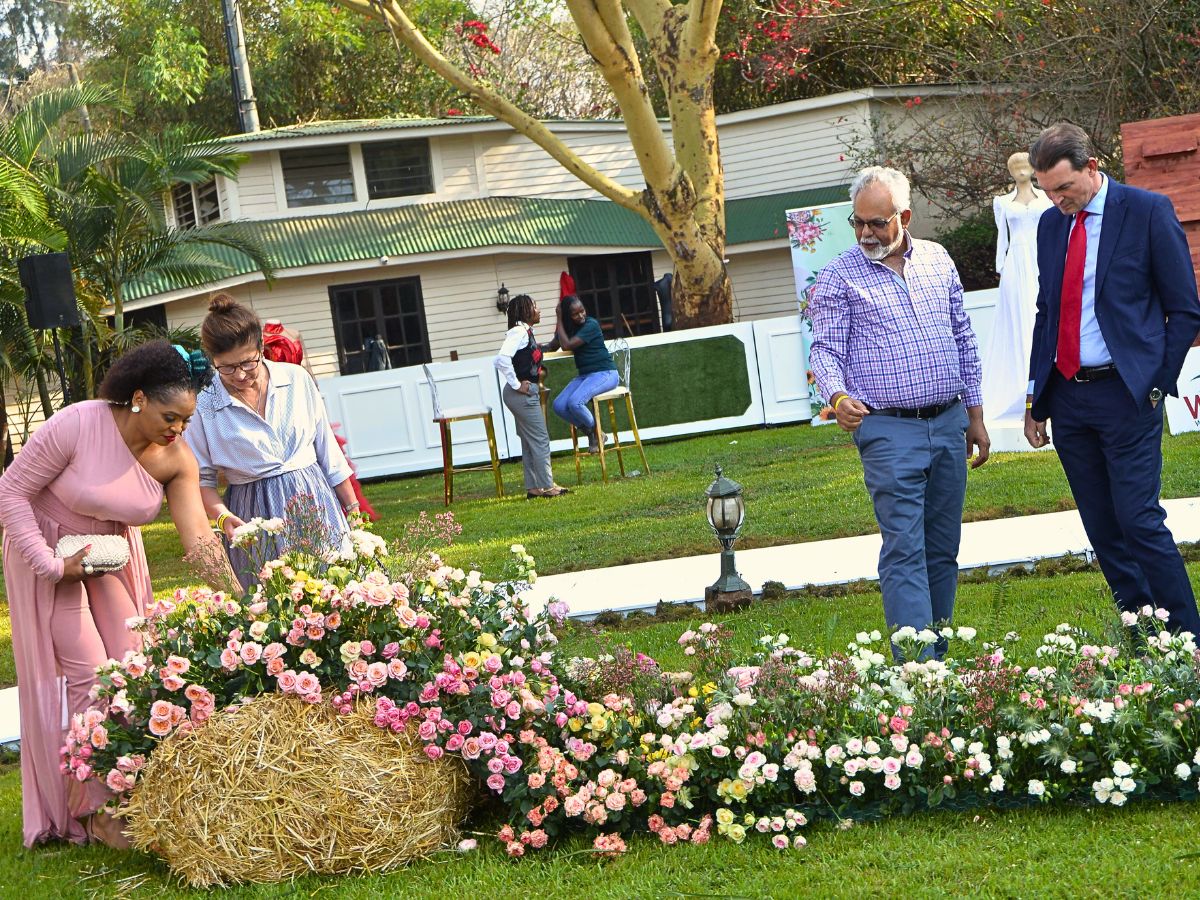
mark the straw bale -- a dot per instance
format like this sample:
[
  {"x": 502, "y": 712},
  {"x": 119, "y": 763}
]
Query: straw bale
[{"x": 278, "y": 788}]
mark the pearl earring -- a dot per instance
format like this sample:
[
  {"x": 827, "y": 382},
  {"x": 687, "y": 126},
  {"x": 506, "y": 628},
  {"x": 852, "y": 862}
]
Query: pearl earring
[{"x": 135, "y": 408}]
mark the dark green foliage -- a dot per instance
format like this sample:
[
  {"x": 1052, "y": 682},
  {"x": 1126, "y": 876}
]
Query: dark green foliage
[{"x": 972, "y": 246}]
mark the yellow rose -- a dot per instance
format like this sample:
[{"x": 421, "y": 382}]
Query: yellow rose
[
  {"x": 738, "y": 790},
  {"x": 598, "y": 723},
  {"x": 471, "y": 659},
  {"x": 575, "y": 723},
  {"x": 737, "y": 833},
  {"x": 692, "y": 692},
  {"x": 595, "y": 709},
  {"x": 724, "y": 816},
  {"x": 487, "y": 640}
]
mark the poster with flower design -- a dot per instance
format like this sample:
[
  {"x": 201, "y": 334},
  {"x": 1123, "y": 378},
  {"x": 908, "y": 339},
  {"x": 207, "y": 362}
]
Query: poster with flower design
[{"x": 816, "y": 234}]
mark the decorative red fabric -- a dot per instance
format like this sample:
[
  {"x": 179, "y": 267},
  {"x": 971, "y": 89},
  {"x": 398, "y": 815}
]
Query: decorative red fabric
[
  {"x": 1071, "y": 305},
  {"x": 278, "y": 347},
  {"x": 566, "y": 285}
]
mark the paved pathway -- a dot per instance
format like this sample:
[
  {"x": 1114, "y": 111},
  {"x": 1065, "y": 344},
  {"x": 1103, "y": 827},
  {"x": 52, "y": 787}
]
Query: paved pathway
[{"x": 995, "y": 544}]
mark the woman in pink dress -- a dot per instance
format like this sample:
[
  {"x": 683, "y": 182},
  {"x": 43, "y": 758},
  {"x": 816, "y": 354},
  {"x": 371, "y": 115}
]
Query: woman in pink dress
[{"x": 96, "y": 467}]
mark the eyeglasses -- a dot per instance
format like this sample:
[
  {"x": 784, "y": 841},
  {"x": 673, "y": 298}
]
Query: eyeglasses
[
  {"x": 874, "y": 224},
  {"x": 246, "y": 365}
]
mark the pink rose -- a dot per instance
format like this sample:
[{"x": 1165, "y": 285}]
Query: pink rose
[
  {"x": 286, "y": 681},
  {"x": 160, "y": 709},
  {"x": 229, "y": 659},
  {"x": 307, "y": 683},
  {"x": 433, "y": 751},
  {"x": 117, "y": 781},
  {"x": 397, "y": 669},
  {"x": 178, "y": 664},
  {"x": 160, "y": 727},
  {"x": 471, "y": 748},
  {"x": 377, "y": 673},
  {"x": 427, "y": 731},
  {"x": 99, "y": 737},
  {"x": 454, "y": 743},
  {"x": 172, "y": 682},
  {"x": 275, "y": 666},
  {"x": 273, "y": 650},
  {"x": 251, "y": 652},
  {"x": 615, "y": 802},
  {"x": 496, "y": 782}
]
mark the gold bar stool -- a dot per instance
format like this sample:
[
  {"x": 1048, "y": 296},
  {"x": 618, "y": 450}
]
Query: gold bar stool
[
  {"x": 444, "y": 418},
  {"x": 610, "y": 398}
]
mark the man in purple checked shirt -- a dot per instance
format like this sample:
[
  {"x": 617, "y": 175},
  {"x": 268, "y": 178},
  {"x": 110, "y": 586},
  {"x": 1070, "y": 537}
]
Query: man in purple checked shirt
[{"x": 894, "y": 353}]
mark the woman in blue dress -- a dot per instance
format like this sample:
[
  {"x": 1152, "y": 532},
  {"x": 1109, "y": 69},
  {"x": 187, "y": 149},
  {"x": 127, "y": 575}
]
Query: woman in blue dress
[{"x": 263, "y": 426}]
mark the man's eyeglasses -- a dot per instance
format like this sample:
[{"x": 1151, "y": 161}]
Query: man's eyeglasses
[
  {"x": 246, "y": 365},
  {"x": 874, "y": 224}
]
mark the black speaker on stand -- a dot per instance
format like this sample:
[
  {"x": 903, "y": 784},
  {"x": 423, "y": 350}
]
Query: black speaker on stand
[{"x": 50, "y": 301}]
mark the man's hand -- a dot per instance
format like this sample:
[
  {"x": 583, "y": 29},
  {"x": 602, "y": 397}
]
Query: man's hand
[
  {"x": 849, "y": 412},
  {"x": 523, "y": 388},
  {"x": 1035, "y": 432},
  {"x": 977, "y": 437}
]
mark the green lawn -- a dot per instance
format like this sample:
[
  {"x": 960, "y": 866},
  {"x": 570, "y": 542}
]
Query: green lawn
[
  {"x": 1052, "y": 852},
  {"x": 801, "y": 484}
]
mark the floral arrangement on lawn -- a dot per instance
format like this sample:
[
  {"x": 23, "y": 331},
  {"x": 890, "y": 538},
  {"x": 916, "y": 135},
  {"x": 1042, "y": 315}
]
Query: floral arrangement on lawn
[{"x": 614, "y": 746}]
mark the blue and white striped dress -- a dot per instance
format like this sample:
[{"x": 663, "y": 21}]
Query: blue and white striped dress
[{"x": 270, "y": 460}]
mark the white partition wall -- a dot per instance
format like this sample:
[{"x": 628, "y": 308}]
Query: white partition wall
[
  {"x": 783, "y": 379},
  {"x": 387, "y": 417}
]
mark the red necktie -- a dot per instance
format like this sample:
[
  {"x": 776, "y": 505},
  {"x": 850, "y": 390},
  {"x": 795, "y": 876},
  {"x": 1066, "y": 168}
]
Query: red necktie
[{"x": 1071, "y": 305}]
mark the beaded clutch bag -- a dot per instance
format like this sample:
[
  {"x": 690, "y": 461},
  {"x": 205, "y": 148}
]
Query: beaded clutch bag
[{"x": 109, "y": 553}]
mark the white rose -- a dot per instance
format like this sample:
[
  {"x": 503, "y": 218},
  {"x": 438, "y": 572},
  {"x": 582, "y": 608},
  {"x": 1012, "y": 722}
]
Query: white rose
[
  {"x": 1117, "y": 799},
  {"x": 1085, "y": 728},
  {"x": 257, "y": 630},
  {"x": 1069, "y": 766},
  {"x": 1036, "y": 788},
  {"x": 1183, "y": 771},
  {"x": 996, "y": 785},
  {"x": 1122, "y": 769}
]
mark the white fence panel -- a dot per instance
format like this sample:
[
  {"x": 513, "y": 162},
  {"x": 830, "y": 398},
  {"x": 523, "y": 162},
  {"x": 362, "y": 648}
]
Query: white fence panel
[
  {"x": 387, "y": 417},
  {"x": 782, "y": 375}
]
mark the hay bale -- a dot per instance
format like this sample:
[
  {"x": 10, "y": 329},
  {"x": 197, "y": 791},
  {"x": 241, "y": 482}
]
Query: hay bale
[{"x": 279, "y": 788}]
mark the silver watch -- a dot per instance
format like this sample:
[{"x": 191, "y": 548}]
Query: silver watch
[{"x": 1156, "y": 395}]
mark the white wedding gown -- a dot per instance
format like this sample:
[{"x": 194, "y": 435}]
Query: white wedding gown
[{"x": 1006, "y": 356}]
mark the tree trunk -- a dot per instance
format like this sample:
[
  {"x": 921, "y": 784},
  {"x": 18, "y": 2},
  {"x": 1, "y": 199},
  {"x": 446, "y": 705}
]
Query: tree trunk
[{"x": 684, "y": 198}]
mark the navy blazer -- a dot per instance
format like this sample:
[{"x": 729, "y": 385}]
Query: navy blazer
[{"x": 1146, "y": 303}]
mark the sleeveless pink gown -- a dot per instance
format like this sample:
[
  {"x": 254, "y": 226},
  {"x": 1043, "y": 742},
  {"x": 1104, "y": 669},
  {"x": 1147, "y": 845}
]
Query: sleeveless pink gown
[{"x": 75, "y": 476}]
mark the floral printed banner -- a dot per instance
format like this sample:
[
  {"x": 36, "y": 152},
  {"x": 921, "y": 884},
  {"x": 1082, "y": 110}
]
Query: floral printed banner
[{"x": 817, "y": 234}]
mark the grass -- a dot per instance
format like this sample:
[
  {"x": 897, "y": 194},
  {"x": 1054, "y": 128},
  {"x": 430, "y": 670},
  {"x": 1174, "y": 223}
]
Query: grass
[
  {"x": 1051, "y": 852},
  {"x": 801, "y": 484}
]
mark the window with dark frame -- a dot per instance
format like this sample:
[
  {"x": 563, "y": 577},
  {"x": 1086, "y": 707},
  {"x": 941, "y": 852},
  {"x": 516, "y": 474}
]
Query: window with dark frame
[
  {"x": 317, "y": 176},
  {"x": 195, "y": 204},
  {"x": 391, "y": 310},
  {"x": 617, "y": 289},
  {"x": 397, "y": 168}
]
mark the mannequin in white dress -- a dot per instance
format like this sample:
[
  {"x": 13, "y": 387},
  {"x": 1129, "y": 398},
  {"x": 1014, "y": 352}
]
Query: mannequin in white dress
[{"x": 1006, "y": 357}]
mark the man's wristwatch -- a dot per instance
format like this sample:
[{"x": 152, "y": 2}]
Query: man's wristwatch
[{"x": 1156, "y": 395}]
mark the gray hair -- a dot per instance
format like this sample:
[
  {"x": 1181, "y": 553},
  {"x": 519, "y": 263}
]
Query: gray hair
[{"x": 893, "y": 180}]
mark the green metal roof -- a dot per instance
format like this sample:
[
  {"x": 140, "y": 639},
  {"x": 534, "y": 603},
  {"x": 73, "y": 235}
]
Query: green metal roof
[
  {"x": 423, "y": 228},
  {"x": 364, "y": 126}
]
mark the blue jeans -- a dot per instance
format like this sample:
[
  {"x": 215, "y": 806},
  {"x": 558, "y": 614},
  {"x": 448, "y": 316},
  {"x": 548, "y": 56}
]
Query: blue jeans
[
  {"x": 571, "y": 404},
  {"x": 916, "y": 473}
]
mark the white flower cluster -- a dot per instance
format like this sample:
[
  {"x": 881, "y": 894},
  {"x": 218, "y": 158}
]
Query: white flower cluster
[{"x": 249, "y": 531}]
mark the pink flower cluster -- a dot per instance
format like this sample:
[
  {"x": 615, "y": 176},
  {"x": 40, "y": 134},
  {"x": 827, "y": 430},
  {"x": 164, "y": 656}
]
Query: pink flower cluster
[
  {"x": 310, "y": 625},
  {"x": 682, "y": 833}
]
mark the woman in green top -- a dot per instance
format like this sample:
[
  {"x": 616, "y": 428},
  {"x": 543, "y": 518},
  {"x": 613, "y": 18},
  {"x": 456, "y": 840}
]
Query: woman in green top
[{"x": 578, "y": 332}]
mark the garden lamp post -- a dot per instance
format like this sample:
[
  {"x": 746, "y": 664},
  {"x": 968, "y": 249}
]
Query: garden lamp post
[{"x": 726, "y": 511}]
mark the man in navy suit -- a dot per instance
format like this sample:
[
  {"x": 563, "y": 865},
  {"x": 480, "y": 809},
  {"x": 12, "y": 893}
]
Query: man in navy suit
[{"x": 1117, "y": 311}]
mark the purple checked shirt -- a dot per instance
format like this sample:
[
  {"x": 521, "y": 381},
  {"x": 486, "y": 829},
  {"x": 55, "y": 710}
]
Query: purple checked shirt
[{"x": 890, "y": 341}]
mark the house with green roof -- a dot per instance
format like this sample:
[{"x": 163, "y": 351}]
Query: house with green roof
[{"x": 408, "y": 229}]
